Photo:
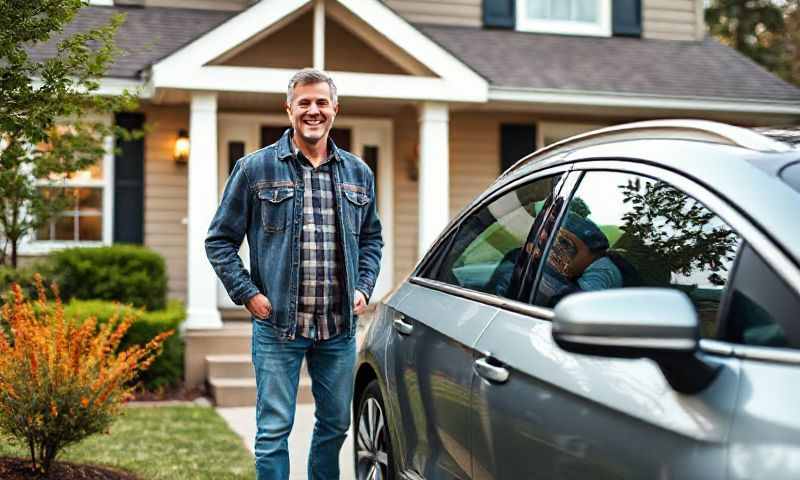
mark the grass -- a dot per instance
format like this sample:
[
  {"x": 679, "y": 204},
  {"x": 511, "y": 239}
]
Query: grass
[{"x": 175, "y": 443}]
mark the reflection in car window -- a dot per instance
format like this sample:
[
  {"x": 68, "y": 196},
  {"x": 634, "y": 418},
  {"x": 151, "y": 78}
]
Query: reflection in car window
[
  {"x": 623, "y": 230},
  {"x": 763, "y": 310},
  {"x": 488, "y": 251}
]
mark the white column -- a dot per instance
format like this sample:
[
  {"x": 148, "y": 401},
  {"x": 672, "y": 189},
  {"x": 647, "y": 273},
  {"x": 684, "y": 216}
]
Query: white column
[
  {"x": 202, "y": 310},
  {"x": 434, "y": 172},
  {"x": 319, "y": 34}
]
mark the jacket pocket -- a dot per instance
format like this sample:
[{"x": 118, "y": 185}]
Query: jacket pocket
[
  {"x": 355, "y": 208},
  {"x": 276, "y": 207}
]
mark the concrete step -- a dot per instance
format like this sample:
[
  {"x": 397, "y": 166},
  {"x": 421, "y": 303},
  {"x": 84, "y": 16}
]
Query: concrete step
[
  {"x": 236, "y": 366},
  {"x": 241, "y": 392}
]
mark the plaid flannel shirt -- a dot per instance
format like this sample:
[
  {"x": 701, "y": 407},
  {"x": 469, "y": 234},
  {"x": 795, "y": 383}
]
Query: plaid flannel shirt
[{"x": 319, "y": 310}]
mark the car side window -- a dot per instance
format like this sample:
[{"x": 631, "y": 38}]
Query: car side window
[
  {"x": 762, "y": 310},
  {"x": 623, "y": 230},
  {"x": 488, "y": 248}
]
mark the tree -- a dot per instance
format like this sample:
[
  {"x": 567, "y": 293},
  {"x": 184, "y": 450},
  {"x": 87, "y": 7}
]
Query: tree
[
  {"x": 50, "y": 113},
  {"x": 767, "y": 31}
]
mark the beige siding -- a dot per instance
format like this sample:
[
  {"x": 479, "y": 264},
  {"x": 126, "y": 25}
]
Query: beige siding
[
  {"x": 289, "y": 47},
  {"x": 673, "y": 19},
  {"x": 165, "y": 194},
  {"x": 344, "y": 52},
  {"x": 442, "y": 12}
]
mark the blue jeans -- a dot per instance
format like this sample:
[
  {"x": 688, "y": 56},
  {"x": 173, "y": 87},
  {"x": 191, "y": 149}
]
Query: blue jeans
[{"x": 277, "y": 364}]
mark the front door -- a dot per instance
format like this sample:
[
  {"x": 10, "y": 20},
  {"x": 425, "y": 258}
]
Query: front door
[{"x": 371, "y": 139}]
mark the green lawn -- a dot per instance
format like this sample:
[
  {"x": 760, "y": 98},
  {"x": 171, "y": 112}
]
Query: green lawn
[{"x": 183, "y": 442}]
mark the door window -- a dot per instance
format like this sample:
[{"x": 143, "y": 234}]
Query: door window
[
  {"x": 623, "y": 230},
  {"x": 763, "y": 310},
  {"x": 492, "y": 246}
]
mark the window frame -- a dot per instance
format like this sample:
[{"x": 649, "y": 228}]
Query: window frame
[
  {"x": 782, "y": 265},
  {"x": 432, "y": 261},
  {"x": 30, "y": 246},
  {"x": 601, "y": 28}
]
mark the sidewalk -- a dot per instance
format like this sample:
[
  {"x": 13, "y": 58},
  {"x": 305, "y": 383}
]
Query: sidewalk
[{"x": 242, "y": 420}]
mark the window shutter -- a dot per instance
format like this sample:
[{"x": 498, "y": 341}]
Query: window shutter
[
  {"x": 129, "y": 183},
  {"x": 516, "y": 141},
  {"x": 499, "y": 13},
  {"x": 627, "y": 18}
]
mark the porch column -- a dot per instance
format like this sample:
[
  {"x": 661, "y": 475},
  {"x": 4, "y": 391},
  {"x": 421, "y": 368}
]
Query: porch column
[
  {"x": 202, "y": 310},
  {"x": 434, "y": 173}
]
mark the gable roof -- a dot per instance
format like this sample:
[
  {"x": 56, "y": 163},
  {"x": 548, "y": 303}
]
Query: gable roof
[
  {"x": 504, "y": 58},
  {"x": 612, "y": 65}
]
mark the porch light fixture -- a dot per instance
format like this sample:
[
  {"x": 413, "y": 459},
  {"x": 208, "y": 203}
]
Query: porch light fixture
[{"x": 181, "y": 154}]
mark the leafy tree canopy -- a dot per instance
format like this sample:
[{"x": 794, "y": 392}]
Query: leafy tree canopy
[{"x": 51, "y": 118}]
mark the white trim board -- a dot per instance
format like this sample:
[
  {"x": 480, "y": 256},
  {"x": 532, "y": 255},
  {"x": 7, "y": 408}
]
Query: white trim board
[
  {"x": 622, "y": 100},
  {"x": 188, "y": 67}
]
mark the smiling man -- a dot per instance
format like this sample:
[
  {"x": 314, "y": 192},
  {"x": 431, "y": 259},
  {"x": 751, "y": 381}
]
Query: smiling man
[{"x": 308, "y": 211}]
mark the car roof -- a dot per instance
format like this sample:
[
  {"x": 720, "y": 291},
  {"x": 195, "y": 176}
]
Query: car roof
[{"x": 759, "y": 140}]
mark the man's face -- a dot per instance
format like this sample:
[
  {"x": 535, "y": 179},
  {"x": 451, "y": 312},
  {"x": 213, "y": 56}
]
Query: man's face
[{"x": 312, "y": 111}]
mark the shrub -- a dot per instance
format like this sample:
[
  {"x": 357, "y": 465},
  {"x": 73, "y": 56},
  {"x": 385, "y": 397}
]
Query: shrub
[
  {"x": 24, "y": 277},
  {"x": 124, "y": 273},
  {"x": 61, "y": 381},
  {"x": 167, "y": 370}
]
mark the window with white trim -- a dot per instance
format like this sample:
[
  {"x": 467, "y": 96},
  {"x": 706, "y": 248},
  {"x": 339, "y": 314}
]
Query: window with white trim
[
  {"x": 574, "y": 17},
  {"x": 82, "y": 220},
  {"x": 87, "y": 219}
]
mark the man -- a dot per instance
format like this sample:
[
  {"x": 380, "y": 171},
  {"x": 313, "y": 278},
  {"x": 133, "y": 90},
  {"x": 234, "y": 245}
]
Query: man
[{"x": 308, "y": 211}]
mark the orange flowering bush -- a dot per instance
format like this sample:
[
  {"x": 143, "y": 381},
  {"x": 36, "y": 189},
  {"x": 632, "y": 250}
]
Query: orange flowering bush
[{"x": 60, "y": 380}]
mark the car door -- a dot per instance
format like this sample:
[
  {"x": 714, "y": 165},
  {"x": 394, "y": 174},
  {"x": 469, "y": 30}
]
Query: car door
[
  {"x": 563, "y": 415},
  {"x": 439, "y": 321},
  {"x": 762, "y": 325}
]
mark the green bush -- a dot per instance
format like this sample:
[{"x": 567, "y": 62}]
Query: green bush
[
  {"x": 128, "y": 274},
  {"x": 24, "y": 277},
  {"x": 167, "y": 370}
]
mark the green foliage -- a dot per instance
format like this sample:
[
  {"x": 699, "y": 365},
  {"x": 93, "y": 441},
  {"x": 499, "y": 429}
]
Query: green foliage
[
  {"x": 24, "y": 277},
  {"x": 764, "y": 30},
  {"x": 124, "y": 273},
  {"x": 677, "y": 230},
  {"x": 35, "y": 95},
  {"x": 167, "y": 369}
]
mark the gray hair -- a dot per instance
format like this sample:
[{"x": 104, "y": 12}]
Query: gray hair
[{"x": 308, "y": 76}]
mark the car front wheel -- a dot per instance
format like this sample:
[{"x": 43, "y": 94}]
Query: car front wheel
[{"x": 373, "y": 452}]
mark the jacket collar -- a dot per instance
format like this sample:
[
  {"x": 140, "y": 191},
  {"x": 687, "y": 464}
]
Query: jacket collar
[{"x": 285, "y": 149}]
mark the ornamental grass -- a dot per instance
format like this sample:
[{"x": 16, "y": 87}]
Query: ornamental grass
[{"x": 61, "y": 380}]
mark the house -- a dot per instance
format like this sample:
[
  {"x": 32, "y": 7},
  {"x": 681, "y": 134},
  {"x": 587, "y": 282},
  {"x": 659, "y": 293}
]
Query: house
[{"x": 437, "y": 96}]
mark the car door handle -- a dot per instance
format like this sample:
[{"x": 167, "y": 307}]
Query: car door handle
[
  {"x": 401, "y": 326},
  {"x": 493, "y": 373}
]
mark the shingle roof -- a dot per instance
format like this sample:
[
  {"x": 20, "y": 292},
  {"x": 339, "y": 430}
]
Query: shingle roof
[
  {"x": 505, "y": 58},
  {"x": 148, "y": 34},
  {"x": 614, "y": 65}
]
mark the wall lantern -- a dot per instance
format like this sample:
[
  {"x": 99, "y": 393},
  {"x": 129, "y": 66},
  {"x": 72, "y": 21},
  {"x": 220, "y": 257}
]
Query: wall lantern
[{"x": 181, "y": 154}]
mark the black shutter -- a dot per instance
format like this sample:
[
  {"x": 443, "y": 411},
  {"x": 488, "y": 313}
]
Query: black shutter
[
  {"x": 499, "y": 13},
  {"x": 129, "y": 183},
  {"x": 516, "y": 141},
  {"x": 627, "y": 18}
]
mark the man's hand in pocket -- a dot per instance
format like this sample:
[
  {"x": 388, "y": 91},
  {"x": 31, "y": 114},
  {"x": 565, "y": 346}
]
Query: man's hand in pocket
[{"x": 259, "y": 306}]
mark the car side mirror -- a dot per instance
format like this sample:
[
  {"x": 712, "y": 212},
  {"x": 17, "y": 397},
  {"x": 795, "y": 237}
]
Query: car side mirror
[{"x": 656, "y": 323}]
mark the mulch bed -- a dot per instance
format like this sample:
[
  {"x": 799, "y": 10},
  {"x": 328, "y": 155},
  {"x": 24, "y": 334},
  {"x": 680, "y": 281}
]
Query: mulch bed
[{"x": 20, "y": 469}]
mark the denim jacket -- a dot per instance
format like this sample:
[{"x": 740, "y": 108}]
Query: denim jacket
[{"x": 263, "y": 199}]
